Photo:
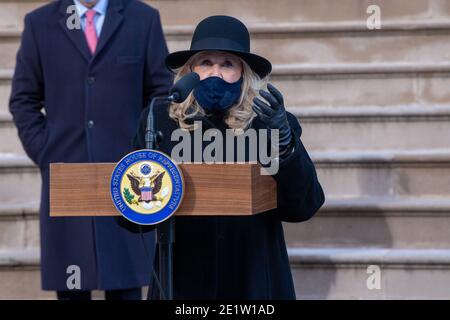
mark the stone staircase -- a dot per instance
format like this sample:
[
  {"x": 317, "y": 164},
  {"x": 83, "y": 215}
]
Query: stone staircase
[{"x": 375, "y": 109}]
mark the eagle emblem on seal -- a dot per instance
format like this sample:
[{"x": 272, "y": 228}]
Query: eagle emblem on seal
[{"x": 147, "y": 185}]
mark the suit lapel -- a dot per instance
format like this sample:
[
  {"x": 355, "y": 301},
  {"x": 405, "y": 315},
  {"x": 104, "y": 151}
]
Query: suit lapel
[
  {"x": 76, "y": 36},
  {"x": 113, "y": 20}
]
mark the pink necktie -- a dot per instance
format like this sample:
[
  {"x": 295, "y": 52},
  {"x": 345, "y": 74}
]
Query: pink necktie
[{"x": 89, "y": 30}]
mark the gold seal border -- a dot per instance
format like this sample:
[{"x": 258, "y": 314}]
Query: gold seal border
[{"x": 182, "y": 185}]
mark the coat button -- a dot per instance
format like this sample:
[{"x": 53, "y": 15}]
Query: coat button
[
  {"x": 91, "y": 80},
  {"x": 90, "y": 124}
]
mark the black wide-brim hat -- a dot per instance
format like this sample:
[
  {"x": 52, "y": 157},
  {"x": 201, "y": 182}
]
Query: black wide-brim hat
[{"x": 221, "y": 33}]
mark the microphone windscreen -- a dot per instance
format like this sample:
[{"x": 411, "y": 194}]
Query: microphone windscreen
[{"x": 183, "y": 87}]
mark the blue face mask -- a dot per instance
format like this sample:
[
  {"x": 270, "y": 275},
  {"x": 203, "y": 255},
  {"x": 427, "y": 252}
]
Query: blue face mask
[{"x": 215, "y": 94}]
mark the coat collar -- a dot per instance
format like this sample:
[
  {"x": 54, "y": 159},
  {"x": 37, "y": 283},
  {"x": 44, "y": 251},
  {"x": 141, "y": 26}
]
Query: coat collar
[
  {"x": 113, "y": 20},
  {"x": 217, "y": 121},
  {"x": 210, "y": 121}
]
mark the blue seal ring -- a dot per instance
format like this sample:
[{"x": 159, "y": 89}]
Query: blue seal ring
[{"x": 177, "y": 186}]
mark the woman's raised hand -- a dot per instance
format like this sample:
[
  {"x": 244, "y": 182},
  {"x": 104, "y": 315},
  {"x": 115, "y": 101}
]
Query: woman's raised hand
[{"x": 273, "y": 114}]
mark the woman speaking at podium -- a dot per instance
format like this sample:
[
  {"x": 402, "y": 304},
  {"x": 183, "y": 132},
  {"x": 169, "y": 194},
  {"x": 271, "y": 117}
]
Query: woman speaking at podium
[{"x": 235, "y": 257}]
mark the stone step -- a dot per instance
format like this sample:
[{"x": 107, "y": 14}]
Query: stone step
[
  {"x": 360, "y": 85},
  {"x": 343, "y": 273},
  {"x": 12, "y": 12},
  {"x": 298, "y": 10},
  {"x": 9, "y": 45},
  {"x": 341, "y": 85},
  {"x": 390, "y": 173},
  {"x": 288, "y": 43},
  {"x": 20, "y": 275},
  {"x": 10, "y": 139},
  {"x": 383, "y": 222},
  {"x": 342, "y": 128},
  {"x": 374, "y": 128},
  {"x": 405, "y": 223},
  {"x": 319, "y": 273},
  {"x": 354, "y": 174},
  {"x": 20, "y": 179},
  {"x": 5, "y": 89},
  {"x": 19, "y": 225}
]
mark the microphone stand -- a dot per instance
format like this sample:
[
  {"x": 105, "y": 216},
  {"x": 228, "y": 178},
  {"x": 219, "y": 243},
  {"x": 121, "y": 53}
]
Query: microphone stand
[{"x": 165, "y": 231}]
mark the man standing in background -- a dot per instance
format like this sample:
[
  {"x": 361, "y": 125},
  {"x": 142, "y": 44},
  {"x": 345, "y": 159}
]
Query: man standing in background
[{"x": 92, "y": 82}]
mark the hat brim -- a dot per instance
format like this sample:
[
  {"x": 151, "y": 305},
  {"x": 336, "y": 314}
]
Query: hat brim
[{"x": 260, "y": 65}]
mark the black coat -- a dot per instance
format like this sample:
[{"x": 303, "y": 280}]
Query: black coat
[
  {"x": 240, "y": 257},
  {"x": 92, "y": 105}
]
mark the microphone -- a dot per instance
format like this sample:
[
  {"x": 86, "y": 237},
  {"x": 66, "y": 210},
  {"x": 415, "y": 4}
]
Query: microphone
[
  {"x": 165, "y": 231},
  {"x": 183, "y": 87},
  {"x": 178, "y": 93}
]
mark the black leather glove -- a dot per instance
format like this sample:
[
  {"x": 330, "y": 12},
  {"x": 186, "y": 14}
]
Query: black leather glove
[{"x": 273, "y": 115}]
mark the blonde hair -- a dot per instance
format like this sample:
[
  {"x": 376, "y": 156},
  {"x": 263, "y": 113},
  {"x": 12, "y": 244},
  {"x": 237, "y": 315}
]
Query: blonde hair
[{"x": 238, "y": 116}]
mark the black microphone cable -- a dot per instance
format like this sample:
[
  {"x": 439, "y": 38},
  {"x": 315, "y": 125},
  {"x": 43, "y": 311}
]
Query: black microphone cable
[{"x": 155, "y": 276}]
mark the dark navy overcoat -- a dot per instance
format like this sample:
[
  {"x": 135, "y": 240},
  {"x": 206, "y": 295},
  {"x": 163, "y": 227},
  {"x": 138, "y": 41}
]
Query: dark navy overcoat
[
  {"x": 239, "y": 257},
  {"x": 92, "y": 104}
]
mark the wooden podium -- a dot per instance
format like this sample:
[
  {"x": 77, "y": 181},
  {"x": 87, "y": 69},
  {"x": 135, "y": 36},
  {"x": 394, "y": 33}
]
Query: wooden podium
[{"x": 82, "y": 189}]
